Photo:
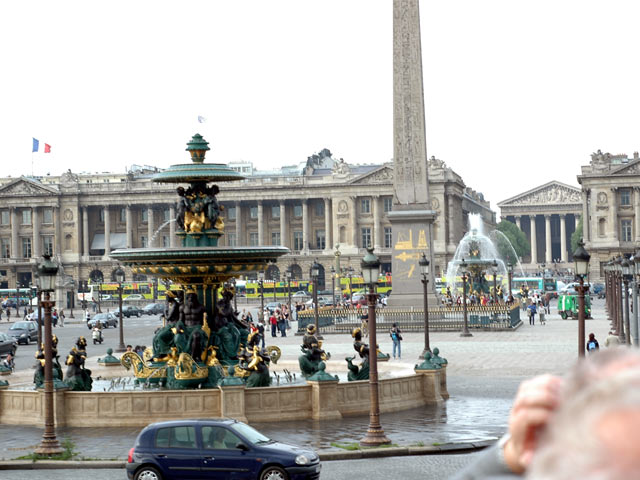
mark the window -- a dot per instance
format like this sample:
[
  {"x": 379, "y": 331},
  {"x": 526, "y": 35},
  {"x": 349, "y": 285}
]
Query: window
[
  {"x": 144, "y": 215},
  {"x": 275, "y": 213},
  {"x": 26, "y": 217},
  {"x": 166, "y": 215},
  {"x": 231, "y": 213},
  {"x": 231, "y": 239},
  {"x": 365, "y": 205},
  {"x": 319, "y": 209},
  {"x": 275, "y": 238},
  {"x": 253, "y": 212},
  {"x": 387, "y": 203},
  {"x": 625, "y": 197},
  {"x": 47, "y": 215},
  {"x": 253, "y": 239},
  {"x": 297, "y": 211},
  {"x": 123, "y": 215},
  {"x": 625, "y": 230},
  {"x": 143, "y": 241},
  {"x": 5, "y": 248},
  {"x": 4, "y": 217},
  {"x": 26, "y": 247},
  {"x": 101, "y": 215},
  {"x": 320, "y": 240},
  {"x": 366, "y": 237},
  {"x": 176, "y": 437},
  {"x": 602, "y": 226},
  {"x": 47, "y": 245},
  {"x": 165, "y": 241},
  {"x": 388, "y": 237},
  {"x": 297, "y": 241},
  {"x": 218, "y": 438}
]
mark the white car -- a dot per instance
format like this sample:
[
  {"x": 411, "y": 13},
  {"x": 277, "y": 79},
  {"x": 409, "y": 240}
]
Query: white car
[{"x": 300, "y": 295}]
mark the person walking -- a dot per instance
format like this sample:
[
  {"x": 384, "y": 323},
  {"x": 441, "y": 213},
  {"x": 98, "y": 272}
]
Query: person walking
[
  {"x": 592, "y": 344},
  {"x": 274, "y": 323},
  {"x": 396, "y": 337},
  {"x": 61, "y": 318},
  {"x": 612, "y": 340},
  {"x": 532, "y": 313}
]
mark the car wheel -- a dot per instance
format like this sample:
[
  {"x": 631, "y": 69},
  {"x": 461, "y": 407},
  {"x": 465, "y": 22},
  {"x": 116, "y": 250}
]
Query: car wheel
[
  {"x": 147, "y": 473},
  {"x": 138, "y": 315},
  {"x": 27, "y": 341},
  {"x": 273, "y": 473}
]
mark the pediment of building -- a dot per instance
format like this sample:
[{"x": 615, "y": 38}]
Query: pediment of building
[
  {"x": 26, "y": 187},
  {"x": 382, "y": 175},
  {"x": 632, "y": 168},
  {"x": 552, "y": 193}
]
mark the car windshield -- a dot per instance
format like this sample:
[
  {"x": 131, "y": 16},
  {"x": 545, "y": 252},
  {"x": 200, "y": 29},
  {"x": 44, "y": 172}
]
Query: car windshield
[
  {"x": 101, "y": 316},
  {"x": 250, "y": 433},
  {"x": 20, "y": 326}
]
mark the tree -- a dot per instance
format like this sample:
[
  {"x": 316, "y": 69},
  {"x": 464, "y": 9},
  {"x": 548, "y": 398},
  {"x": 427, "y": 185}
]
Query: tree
[
  {"x": 576, "y": 236},
  {"x": 517, "y": 241}
]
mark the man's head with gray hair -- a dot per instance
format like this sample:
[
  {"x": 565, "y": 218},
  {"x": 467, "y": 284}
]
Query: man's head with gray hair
[{"x": 595, "y": 433}]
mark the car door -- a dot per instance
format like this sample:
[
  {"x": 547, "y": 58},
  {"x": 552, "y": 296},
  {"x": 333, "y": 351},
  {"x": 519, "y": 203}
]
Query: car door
[
  {"x": 33, "y": 331},
  {"x": 220, "y": 457},
  {"x": 177, "y": 453},
  {"x": 6, "y": 344}
]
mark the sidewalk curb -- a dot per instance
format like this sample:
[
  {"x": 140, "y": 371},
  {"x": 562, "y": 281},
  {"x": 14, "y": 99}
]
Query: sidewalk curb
[{"x": 444, "y": 449}]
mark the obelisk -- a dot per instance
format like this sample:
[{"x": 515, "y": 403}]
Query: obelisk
[{"x": 412, "y": 217}]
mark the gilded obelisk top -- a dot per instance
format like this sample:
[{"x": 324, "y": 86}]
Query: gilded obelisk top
[{"x": 409, "y": 137}]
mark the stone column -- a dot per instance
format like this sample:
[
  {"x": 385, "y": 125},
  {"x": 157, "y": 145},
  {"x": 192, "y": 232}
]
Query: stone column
[
  {"x": 534, "y": 242},
  {"x": 57, "y": 226},
  {"x": 128, "y": 219},
  {"x": 305, "y": 224},
  {"x": 14, "y": 233},
  {"x": 328, "y": 237},
  {"x": 260, "y": 223},
  {"x": 172, "y": 226},
  {"x": 150, "y": 228},
  {"x": 353, "y": 211},
  {"x": 519, "y": 221},
  {"x": 586, "y": 224},
  {"x": 107, "y": 231},
  {"x": 564, "y": 255},
  {"x": 376, "y": 223},
  {"x": 35, "y": 220},
  {"x": 636, "y": 212},
  {"x": 548, "y": 253},
  {"x": 614, "y": 213},
  {"x": 284, "y": 234},
  {"x": 85, "y": 231},
  {"x": 239, "y": 224}
]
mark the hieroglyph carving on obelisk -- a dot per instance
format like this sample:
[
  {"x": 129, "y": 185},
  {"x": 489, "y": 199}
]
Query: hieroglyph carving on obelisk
[{"x": 410, "y": 144}]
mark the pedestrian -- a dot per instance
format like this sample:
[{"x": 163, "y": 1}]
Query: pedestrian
[
  {"x": 1, "y": 311},
  {"x": 611, "y": 340},
  {"x": 61, "y": 318},
  {"x": 54, "y": 317},
  {"x": 8, "y": 314},
  {"x": 397, "y": 339},
  {"x": 532, "y": 313},
  {"x": 542, "y": 313},
  {"x": 87, "y": 317},
  {"x": 273, "y": 322},
  {"x": 364, "y": 324},
  {"x": 261, "y": 331},
  {"x": 592, "y": 344},
  {"x": 282, "y": 324}
]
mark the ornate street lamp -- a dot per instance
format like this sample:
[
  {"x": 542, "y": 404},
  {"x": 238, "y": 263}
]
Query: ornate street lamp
[
  {"x": 350, "y": 274},
  {"x": 119, "y": 274},
  {"x": 636, "y": 272},
  {"x": 510, "y": 275},
  {"x": 375, "y": 435},
  {"x": 424, "y": 271},
  {"x": 47, "y": 272},
  {"x": 261, "y": 283},
  {"x": 627, "y": 276},
  {"x": 619, "y": 300},
  {"x": 315, "y": 274},
  {"x": 465, "y": 328},
  {"x": 288, "y": 275},
  {"x": 73, "y": 297},
  {"x": 275, "y": 286},
  {"x": 333, "y": 287},
  {"x": 581, "y": 259},
  {"x": 494, "y": 270}
]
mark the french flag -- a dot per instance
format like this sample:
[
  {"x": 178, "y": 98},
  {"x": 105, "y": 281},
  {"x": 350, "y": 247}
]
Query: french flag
[{"x": 36, "y": 146}]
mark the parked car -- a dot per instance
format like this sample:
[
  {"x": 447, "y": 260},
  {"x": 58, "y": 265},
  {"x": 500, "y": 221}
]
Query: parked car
[
  {"x": 272, "y": 306},
  {"x": 216, "y": 449},
  {"x": 570, "y": 289},
  {"x": 134, "y": 296},
  {"x": 598, "y": 289},
  {"x": 300, "y": 295},
  {"x": 25, "y": 331},
  {"x": 106, "y": 320},
  {"x": 131, "y": 311},
  {"x": 153, "y": 309},
  {"x": 8, "y": 345}
]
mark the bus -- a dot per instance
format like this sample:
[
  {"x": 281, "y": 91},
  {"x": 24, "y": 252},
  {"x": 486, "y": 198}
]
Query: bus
[
  {"x": 110, "y": 290},
  {"x": 539, "y": 284},
  {"x": 252, "y": 288},
  {"x": 8, "y": 297},
  {"x": 357, "y": 283}
]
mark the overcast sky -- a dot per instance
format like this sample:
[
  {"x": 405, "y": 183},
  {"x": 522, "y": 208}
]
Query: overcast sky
[{"x": 517, "y": 93}]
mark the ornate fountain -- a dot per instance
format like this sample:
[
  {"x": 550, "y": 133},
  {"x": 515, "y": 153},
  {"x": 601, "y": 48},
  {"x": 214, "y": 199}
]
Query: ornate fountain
[{"x": 202, "y": 333}]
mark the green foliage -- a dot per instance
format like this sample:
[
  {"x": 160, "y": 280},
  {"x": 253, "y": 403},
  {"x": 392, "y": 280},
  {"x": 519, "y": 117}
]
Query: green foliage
[
  {"x": 518, "y": 241},
  {"x": 68, "y": 452},
  {"x": 576, "y": 236}
]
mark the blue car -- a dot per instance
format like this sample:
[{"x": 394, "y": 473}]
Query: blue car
[{"x": 216, "y": 449}]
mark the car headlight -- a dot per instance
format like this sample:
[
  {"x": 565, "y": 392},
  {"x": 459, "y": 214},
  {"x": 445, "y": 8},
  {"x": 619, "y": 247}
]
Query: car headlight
[
  {"x": 23, "y": 335},
  {"x": 302, "y": 460}
]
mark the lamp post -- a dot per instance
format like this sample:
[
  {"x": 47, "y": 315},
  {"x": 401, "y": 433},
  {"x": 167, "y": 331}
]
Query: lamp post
[
  {"x": 315, "y": 273},
  {"x": 275, "y": 286},
  {"x": 494, "y": 269},
  {"x": 581, "y": 258},
  {"x": 17, "y": 300},
  {"x": 261, "y": 282},
  {"x": 375, "y": 434},
  {"x": 510, "y": 274},
  {"x": 333, "y": 287},
  {"x": 47, "y": 271},
  {"x": 424, "y": 271},
  {"x": 100, "y": 296},
  {"x": 120, "y": 279},
  {"x": 465, "y": 328},
  {"x": 73, "y": 298},
  {"x": 619, "y": 301},
  {"x": 350, "y": 274},
  {"x": 288, "y": 275},
  {"x": 634, "y": 326},
  {"x": 627, "y": 276}
]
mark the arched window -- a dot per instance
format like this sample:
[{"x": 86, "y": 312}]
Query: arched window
[
  {"x": 602, "y": 227},
  {"x": 67, "y": 242},
  {"x": 96, "y": 276},
  {"x": 138, "y": 277},
  {"x": 272, "y": 273},
  {"x": 296, "y": 272},
  {"x": 321, "y": 280}
]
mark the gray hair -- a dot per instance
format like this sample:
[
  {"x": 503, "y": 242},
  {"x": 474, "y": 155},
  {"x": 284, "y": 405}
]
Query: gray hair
[{"x": 600, "y": 395}]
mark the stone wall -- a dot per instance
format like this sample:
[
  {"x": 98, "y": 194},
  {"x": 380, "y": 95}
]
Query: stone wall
[{"x": 316, "y": 400}]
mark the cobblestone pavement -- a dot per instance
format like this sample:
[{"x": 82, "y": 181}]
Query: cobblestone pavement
[{"x": 483, "y": 374}]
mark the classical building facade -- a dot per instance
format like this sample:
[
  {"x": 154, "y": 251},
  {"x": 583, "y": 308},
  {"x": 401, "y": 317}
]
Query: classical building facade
[
  {"x": 313, "y": 209},
  {"x": 611, "y": 207},
  {"x": 548, "y": 216}
]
